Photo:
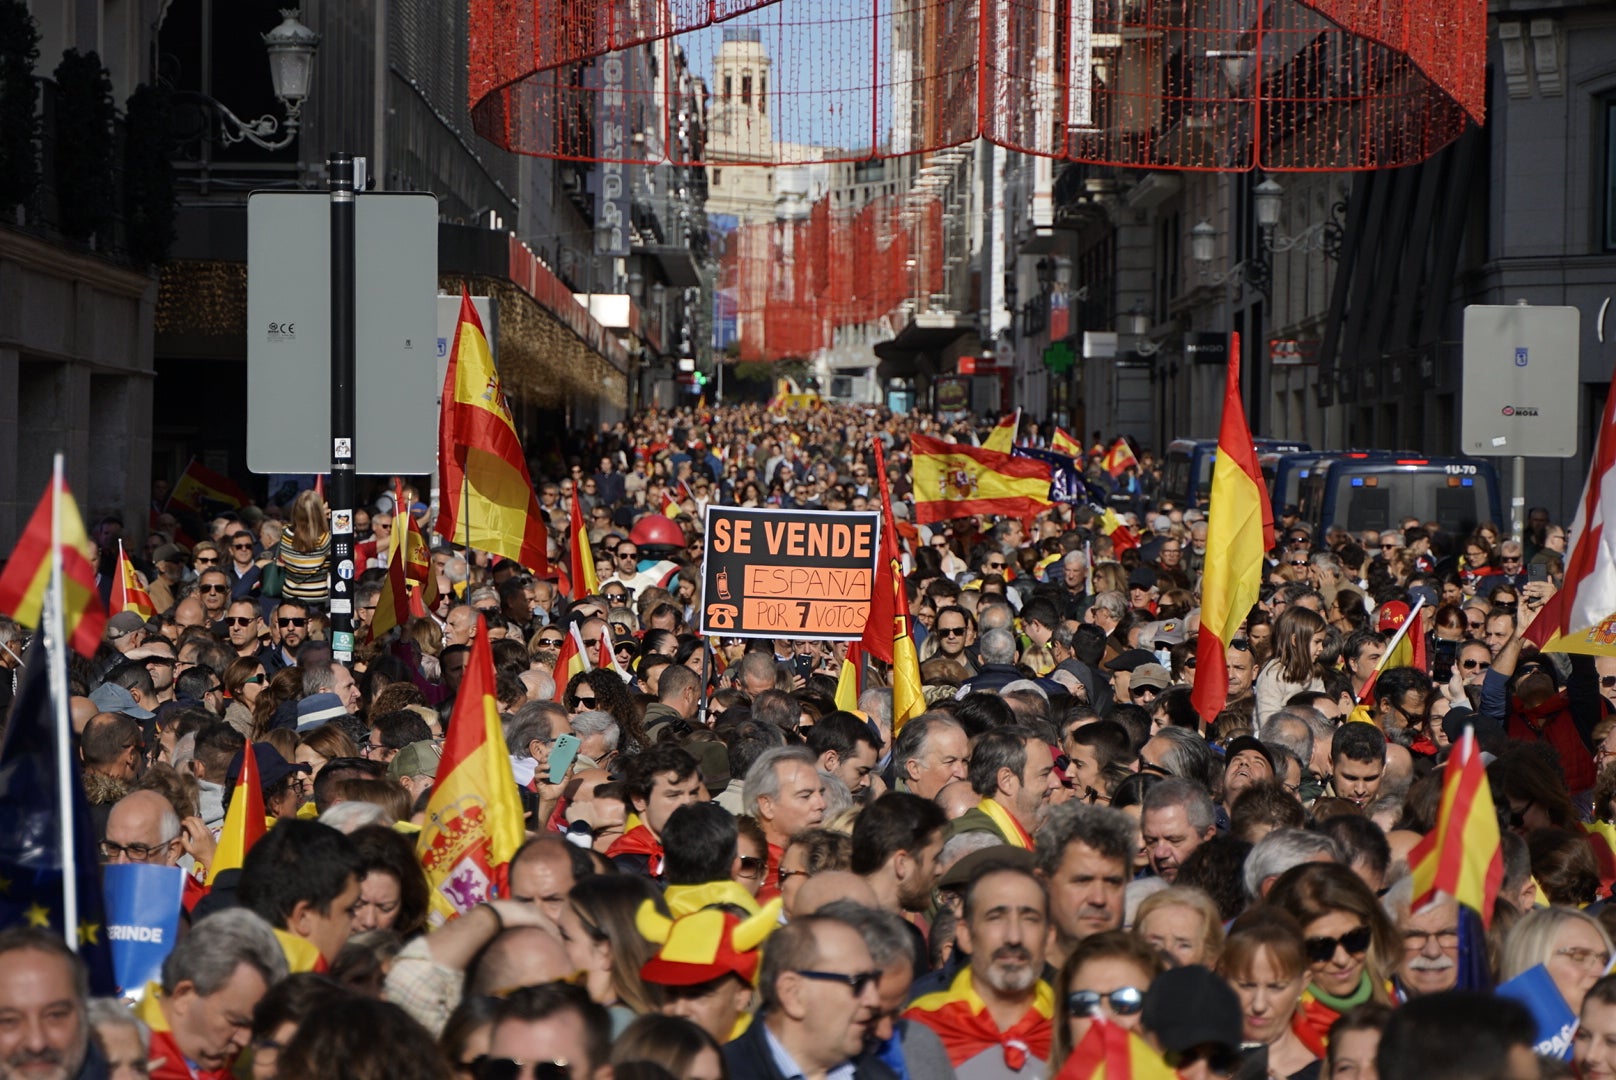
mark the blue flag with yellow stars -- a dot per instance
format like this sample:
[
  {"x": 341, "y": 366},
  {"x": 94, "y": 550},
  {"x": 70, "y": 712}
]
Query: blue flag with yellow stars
[{"x": 30, "y": 827}]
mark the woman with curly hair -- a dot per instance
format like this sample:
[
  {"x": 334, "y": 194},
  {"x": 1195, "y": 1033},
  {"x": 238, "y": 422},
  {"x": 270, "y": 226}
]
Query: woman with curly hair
[
  {"x": 393, "y": 890},
  {"x": 604, "y": 690}
]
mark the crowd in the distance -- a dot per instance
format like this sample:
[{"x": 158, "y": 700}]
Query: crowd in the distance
[{"x": 736, "y": 878}]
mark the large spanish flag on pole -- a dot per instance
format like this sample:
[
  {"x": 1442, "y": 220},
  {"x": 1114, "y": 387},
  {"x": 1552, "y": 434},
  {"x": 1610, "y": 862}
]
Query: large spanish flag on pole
[
  {"x": 1581, "y": 617},
  {"x": 953, "y": 480},
  {"x": 27, "y": 572},
  {"x": 877, "y": 639},
  {"x": 474, "y": 817},
  {"x": 1236, "y": 541},
  {"x": 487, "y": 499}
]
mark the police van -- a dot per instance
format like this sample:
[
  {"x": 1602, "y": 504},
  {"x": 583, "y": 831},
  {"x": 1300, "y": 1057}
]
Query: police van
[
  {"x": 1187, "y": 473},
  {"x": 1377, "y": 491}
]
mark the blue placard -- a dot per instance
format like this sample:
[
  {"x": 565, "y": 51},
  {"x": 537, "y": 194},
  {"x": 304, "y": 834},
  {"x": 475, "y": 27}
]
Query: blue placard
[
  {"x": 143, "y": 917},
  {"x": 1556, "y": 1023}
]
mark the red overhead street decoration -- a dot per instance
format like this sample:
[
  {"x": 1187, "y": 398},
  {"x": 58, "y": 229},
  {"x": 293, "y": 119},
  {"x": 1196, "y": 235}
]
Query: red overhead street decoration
[{"x": 1197, "y": 84}]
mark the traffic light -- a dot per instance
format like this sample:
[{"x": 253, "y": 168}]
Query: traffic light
[{"x": 701, "y": 378}]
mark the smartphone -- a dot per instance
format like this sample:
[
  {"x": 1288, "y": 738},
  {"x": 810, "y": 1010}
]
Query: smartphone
[
  {"x": 803, "y": 664},
  {"x": 562, "y": 754},
  {"x": 1443, "y": 655},
  {"x": 1537, "y": 572}
]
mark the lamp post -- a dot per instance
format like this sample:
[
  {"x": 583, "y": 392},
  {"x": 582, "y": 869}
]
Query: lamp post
[{"x": 291, "y": 47}]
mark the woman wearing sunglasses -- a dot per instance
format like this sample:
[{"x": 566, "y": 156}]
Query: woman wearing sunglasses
[
  {"x": 1106, "y": 976},
  {"x": 1265, "y": 962},
  {"x": 1351, "y": 946}
]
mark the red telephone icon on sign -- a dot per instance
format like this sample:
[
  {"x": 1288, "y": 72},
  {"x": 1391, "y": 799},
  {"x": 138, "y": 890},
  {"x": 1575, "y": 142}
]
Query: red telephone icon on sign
[{"x": 722, "y": 616}]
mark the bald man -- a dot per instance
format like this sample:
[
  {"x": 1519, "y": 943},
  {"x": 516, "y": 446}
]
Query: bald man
[
  {"x": 190, "y": 612},
  {"x": 830, "y": 885},
  {"x": 541, "y": 874},
  {"x": 520, "y": 956},
  {"x": 956, "y": 797},
  {"x": 143, "y": 828}
]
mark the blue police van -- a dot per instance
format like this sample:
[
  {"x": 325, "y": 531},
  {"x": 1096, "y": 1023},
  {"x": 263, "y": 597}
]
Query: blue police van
[
  {"x": 1187, "y": 472},
  {"x": 1378, "y": 491}
]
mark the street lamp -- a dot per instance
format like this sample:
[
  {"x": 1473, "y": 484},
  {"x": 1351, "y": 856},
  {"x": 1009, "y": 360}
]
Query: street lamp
[{"x": 291, "y": 47}]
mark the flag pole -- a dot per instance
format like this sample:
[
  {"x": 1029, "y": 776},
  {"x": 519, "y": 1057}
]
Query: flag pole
[
  {"x": 1397, "y": 638},
  {"x": 56, "y": 639}
]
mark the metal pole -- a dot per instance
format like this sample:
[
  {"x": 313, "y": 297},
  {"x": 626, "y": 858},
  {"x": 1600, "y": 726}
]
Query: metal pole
[
  {"x": 341, "y": 169},
  {"x": 706, "y": 678},
  {"x": 54, "y": 648},
  {"x": 1517, "y": 498}
]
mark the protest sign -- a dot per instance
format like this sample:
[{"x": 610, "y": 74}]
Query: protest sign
[
  {"x": 1556, "y": 1023},
  {"x": 788, "y": 573},
  {"x": 143, "y": 917}
]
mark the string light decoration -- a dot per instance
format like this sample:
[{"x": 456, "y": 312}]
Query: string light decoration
[{"x": 1168, "y": 84}]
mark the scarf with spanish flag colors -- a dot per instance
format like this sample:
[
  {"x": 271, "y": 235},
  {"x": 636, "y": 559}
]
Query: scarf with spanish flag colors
[
  {"x": 961, "y": 1020},
  {"x": 1014, "y": 834}
]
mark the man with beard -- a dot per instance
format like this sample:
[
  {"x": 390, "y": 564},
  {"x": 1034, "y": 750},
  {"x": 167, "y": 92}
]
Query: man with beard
[
  {"x": 1013, "y": 772},
  {"x": 995, "y": 1018},
  {"x": 46, "y": 1034},
  {"x": 896, "y": 843}
]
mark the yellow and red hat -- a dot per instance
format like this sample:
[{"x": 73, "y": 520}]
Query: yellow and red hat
[{"x": 704, "y": 945}]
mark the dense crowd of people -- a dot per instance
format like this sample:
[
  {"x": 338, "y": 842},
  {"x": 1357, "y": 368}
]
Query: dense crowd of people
[{"x": 734, "y": 877}]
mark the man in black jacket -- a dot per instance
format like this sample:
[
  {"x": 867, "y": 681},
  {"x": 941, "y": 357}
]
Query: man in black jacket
[{"x": 820, "y": 1005}]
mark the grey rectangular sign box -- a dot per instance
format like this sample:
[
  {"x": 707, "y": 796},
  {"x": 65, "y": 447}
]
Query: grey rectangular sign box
[
  {"x": 289, "y": 333},
  {"x": 1520, "y": 381}
]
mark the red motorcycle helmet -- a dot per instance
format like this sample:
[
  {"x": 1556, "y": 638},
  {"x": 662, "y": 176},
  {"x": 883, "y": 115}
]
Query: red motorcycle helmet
[{"x": 657, "y": 531}]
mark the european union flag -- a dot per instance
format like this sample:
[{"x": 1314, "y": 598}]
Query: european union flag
[
  {"x": 1066, "y": 479},
  {"x": 31, "y": 808}
]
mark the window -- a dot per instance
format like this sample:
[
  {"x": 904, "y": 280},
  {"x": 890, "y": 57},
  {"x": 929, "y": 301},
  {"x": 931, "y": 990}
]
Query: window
[
  {"x": 728, "y": 87},
  {"x": 1610, "y": 175},
  {"x": 746, "y": 88},
  {"x": 763, "y": 93},
  {"x": 717, "y": 173}
]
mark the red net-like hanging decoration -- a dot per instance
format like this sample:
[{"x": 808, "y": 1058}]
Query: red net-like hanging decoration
[{"x": 1175, "y": 84}]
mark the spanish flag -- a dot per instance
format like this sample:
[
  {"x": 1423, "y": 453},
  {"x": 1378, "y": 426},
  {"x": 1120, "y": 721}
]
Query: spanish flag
[
  {"x": 128, "y": 594},
  {"x": 1236, "y": 541},
  {"x": 1122, "y": 537},
  {"x": 1119, "y": 458},
  {"x": 877, "y": 638},
  {"x": 1464, "y": 855},
  {"x": 953, "y": 480},
  {"x": 487, "y": 496},
  {"x": 1406, "y": 649},
  {"x": 27, "y": 572},
  {"x": 574, "y": 658},
  {"x": 202, "y": 490},
  {"x": 244, "y": 821},
  {"x": 847, "y": 682},
  {"x": 1063, "y": 443},
  {"x": 908, "y": 701},
  {"x": 585, "y": 582},
  {"x": 1003, "y": 436},
  {"x": 393, "y": 606},
  {"x": 1108, "y": 1052},
  {"x": 474, "y": 817}
]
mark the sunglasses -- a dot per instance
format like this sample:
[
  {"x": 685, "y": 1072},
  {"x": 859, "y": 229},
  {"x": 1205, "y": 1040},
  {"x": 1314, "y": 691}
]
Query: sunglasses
[
  {"x": 621, "y": 554},
  {"x": 616, "y": 597},
  {"x": 1481, "y": 665},
  {"x": 240, "y": 620},
  {"x": 291, "y": 622},
  {"x": 1517, "y": 818},
  {"x": 951, "y": 631},
  {"x": 1141, "y": 691},
  {"x": 203, "y": 560},
  {"x": 994, "y": 565},
  {"x": 1607, "y": 681},
  {"x": 750, "y": 865},
  {"x": 252, "y": 680},
  {"x": 242, "y": 547},
  {"x": 1390, "y": 547},
  {"x": 484, "y": 1067},
  {"x": 552, "y": 642},
  {"x": 1124, "y": 1001},
  {"x": 1320, "y": 950},
  {"x": 1296, "y": 562},
  {"x": 857, "y": 981},
  {"x": 587, "y": 702},
  {"x": 213, "y": 588}
]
